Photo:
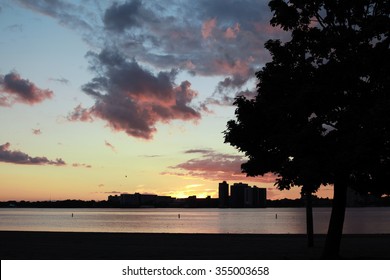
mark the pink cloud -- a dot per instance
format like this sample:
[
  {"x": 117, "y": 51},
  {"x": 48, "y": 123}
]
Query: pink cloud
[
  {"x": 265, "y": 28},
  {"x": 215, "y": 166},
  {"x": 132, "y": 99},
  {"x": 15, "y": 89},
  {"x": 80, "y": 114},
  {"x": 233, "y": 67},
  {"x": 231, "y": 32},
  {"x": 208, "y": 27}
]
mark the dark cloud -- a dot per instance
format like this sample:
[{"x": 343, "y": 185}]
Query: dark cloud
[
  {"x": 15, "y": 89},
  {"x": 227, "y": 99},
  {"x": 127, "y": 15},
  {"x": 132, "y": 99},
  {"x": 18, "y": 157},
  {"x": 232, "y": 82},
  {"x": 228, "y": 89},
  {"x": 243, "y": 11},
  {"x": 204, "y": 37},
  {"x": 249, "y": 94},
  {"x": 170, "y": 33}
]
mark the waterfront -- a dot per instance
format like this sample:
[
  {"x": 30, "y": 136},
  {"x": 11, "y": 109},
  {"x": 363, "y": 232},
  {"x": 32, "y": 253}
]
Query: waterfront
[{"x": 373, "y": 220}]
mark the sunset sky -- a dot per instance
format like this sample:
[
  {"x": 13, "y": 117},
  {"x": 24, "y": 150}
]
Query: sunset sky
[{"x": 104, "y": 97}]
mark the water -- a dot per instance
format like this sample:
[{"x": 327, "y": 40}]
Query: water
[{"x": 289, "y": 220}]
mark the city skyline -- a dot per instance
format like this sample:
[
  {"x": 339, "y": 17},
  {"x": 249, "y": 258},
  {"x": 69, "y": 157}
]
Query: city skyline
[{"x": 99, "y": 98}]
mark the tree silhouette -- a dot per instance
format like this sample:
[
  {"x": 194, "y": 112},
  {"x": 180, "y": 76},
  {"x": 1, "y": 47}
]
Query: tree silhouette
[{"x": 322, "y": 112}]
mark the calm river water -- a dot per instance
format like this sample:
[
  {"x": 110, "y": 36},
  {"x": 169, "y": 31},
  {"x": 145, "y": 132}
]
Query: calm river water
[{"x": 268, "y": 220}]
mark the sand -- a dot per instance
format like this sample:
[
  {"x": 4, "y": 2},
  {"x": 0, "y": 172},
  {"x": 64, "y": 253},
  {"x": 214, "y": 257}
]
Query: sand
[{"x": 18, "y": 245}]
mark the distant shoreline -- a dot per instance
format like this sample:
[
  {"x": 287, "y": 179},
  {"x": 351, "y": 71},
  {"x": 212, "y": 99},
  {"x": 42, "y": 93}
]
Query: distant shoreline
[
  {"x": 155, "y": 246},
  {"x": 183, "y": 203},
  {"x": 180, "y": 203}
]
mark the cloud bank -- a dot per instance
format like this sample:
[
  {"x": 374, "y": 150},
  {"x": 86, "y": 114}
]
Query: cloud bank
[
  {"x": 211, "y": 165},
  {"x": 140, "y": 48},
  {"x": 18, "y": 157}
]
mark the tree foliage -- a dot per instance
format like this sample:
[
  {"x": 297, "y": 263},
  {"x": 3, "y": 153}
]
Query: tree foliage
[
  {"x": 322, "y": 112},
  {"x": 323, "y": 100}
]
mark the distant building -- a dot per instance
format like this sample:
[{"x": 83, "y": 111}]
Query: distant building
[
  {"x": 223, "y": 195},
  {"x": 114, "y": 199},
  {"x": 237, "y": 195},
  {"x": 242, "y": 196},
  {"x": 259, "y": 197},
  {"x": 248, "y": 196},
  {"x": 191, "y": 201},
  {"x": 148, "y": 199},
  {"x": 145, "y": 200},
  {"x": 130, "y": 200},
  {"x": 164, "y": 201}
]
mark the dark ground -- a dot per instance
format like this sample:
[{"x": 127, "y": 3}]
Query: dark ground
[{"x": 129, "y": 246}]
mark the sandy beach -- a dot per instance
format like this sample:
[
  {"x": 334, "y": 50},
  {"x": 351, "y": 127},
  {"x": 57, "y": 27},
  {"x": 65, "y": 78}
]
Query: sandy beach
[{"x": 130, "y": 246}]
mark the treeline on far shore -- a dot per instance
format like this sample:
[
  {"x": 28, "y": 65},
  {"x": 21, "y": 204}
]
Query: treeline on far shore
[{"x": 73, "y": 203}]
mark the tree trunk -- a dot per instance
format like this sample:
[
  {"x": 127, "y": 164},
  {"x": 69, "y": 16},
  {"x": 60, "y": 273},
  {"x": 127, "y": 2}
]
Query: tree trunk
[
  {"x": 335, "y": 230},
  {"x": 309, "y": 220}
]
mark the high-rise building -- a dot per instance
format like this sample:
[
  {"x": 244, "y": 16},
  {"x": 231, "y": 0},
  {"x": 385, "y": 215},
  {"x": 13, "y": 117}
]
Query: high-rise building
[
  {"x": 259, "y": 197},
  {"x": 130, "y": 200},
  {"x": 237, "y": 195},
  {"x": 241, "y": 196},
  {"x": 248, "y": 196},
  {"x": 223, "y": 194}
]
